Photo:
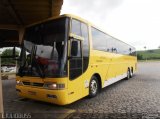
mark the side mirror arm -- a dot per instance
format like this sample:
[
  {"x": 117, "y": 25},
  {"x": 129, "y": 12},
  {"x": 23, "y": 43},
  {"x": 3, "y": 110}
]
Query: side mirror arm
[{"x": 73, "y": 36}]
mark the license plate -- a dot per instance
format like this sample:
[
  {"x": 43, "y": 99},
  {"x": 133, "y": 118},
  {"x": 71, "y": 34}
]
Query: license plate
[{"x": 32, "y": 92}]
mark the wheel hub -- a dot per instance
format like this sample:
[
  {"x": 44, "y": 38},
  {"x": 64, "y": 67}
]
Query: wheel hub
[{"x": 94, "y": 86}]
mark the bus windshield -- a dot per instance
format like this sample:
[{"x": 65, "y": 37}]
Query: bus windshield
[{"x": 44, "y": 50}]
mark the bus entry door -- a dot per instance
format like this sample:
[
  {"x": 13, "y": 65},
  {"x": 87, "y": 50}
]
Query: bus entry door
[{"x": 75, "y": 70}]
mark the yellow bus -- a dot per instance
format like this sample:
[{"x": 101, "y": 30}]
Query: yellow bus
[{"x": 66, "y": 58}]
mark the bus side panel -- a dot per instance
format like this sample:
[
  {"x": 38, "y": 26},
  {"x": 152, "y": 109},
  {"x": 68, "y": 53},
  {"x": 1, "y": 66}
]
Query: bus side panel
[
  {"x": 121, "y": 65},
  {"x": 118, "y": 68},
  {"x": 75, "y": 89},
  {"x": 100, "y": 63}
]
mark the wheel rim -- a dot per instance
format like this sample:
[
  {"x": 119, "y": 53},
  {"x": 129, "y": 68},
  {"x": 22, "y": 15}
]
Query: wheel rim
[
  {"x": 128, "y": 74},
  {"x": 131, "y": 74},
  {"x": 93, "y": 87}
]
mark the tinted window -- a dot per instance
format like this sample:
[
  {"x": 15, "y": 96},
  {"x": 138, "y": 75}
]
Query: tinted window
[
  {"x": 110, "y": 44},
  {"x": 76, "y": 27},
  {"x": 46, "y": 46},
  {"x": 99, "y": 40},
  {"x": 80, "y": 29},
  {"x": 76, "y": 61},
  {"x": 133, "y": 51},
  {"x": 104, "y": 42},
  {"x": 84, "y": 30}
]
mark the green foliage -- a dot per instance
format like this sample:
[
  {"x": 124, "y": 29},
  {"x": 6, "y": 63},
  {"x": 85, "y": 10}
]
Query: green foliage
[
  {"x": 149, "y": 55},
  {"x": 139, "y": 57},
  {"x": 8, "y": 61}
]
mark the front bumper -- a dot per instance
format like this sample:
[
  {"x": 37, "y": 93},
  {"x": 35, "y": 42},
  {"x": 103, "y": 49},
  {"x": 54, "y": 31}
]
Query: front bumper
[{"x": 52, "y": 96}]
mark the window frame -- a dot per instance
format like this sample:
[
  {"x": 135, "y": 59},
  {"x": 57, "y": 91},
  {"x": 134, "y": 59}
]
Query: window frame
[{"x": 81, "y": 43}]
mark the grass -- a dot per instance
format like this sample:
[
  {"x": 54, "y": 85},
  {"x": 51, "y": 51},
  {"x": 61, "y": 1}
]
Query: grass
[
  {"x": 149, "y": 54},
  {"x": 156, "y": 60}
]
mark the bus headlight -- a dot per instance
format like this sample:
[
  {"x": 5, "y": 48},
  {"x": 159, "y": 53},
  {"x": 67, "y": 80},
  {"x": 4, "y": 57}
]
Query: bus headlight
[
  {"x": 52, "y": 86},
  {"x": 18, "y": 82}
]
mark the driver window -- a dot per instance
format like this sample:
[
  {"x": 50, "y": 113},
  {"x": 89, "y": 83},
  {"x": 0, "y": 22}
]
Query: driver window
[
  {"x": 76, "y": 27},
  {"x": 76, "y": 51}
]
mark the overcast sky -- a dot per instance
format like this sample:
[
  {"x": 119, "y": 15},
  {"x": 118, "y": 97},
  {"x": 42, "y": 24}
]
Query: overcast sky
[{"x": 136, "y": 22}]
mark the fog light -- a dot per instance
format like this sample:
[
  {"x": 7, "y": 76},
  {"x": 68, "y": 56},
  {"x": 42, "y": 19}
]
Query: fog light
[
  {"x": 19, "y": 83},
  {"x": 51, "y": 96},
  {"x": 18, "y": 90}
]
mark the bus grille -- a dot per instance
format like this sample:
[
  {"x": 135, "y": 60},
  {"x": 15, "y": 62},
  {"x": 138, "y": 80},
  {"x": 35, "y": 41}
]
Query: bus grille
[
  {"x": 26, "y": 83},
  {"x": 33, "y": 84},
  {"x": 38, "y": 84}
]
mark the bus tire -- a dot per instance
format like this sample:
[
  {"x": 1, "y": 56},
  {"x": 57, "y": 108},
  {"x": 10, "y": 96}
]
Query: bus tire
[
  {"x": 93, "y": 87},
  {"x": 131, "y": 72},
  {"x": 128, "y": 74}
]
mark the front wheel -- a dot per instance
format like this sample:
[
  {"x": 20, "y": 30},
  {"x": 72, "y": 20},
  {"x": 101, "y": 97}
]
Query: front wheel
[{"x": 93, "y": 87}]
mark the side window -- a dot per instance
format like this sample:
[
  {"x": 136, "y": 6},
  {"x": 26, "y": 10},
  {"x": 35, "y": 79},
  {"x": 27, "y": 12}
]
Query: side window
[
  {"x": 78, "y": 48},
  {"x": 132, "y": 51},
  {"x": 84, "y": 31},
  {"x": 110, "y": 44},
  {"x": 104, "y": 42},
  {"x": 76, "y": 27},
  {"x": 75, "y": 67},
  {"x": 99, "y": 41}
]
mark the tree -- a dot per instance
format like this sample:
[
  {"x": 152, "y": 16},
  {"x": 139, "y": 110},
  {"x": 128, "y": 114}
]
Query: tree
[
  {"x": 145, "y": 51},
  {"x": 139, "y": 57},
  {"x": 8, "y": 61},
  {"x": 151, "y": 51}
]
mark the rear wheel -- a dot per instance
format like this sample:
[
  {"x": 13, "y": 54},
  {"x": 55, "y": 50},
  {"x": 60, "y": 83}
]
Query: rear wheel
[
  {"x": 128, "y": 74},
  {"x": 131, "y": 73},
  {"x": 93, "y": 87}
]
